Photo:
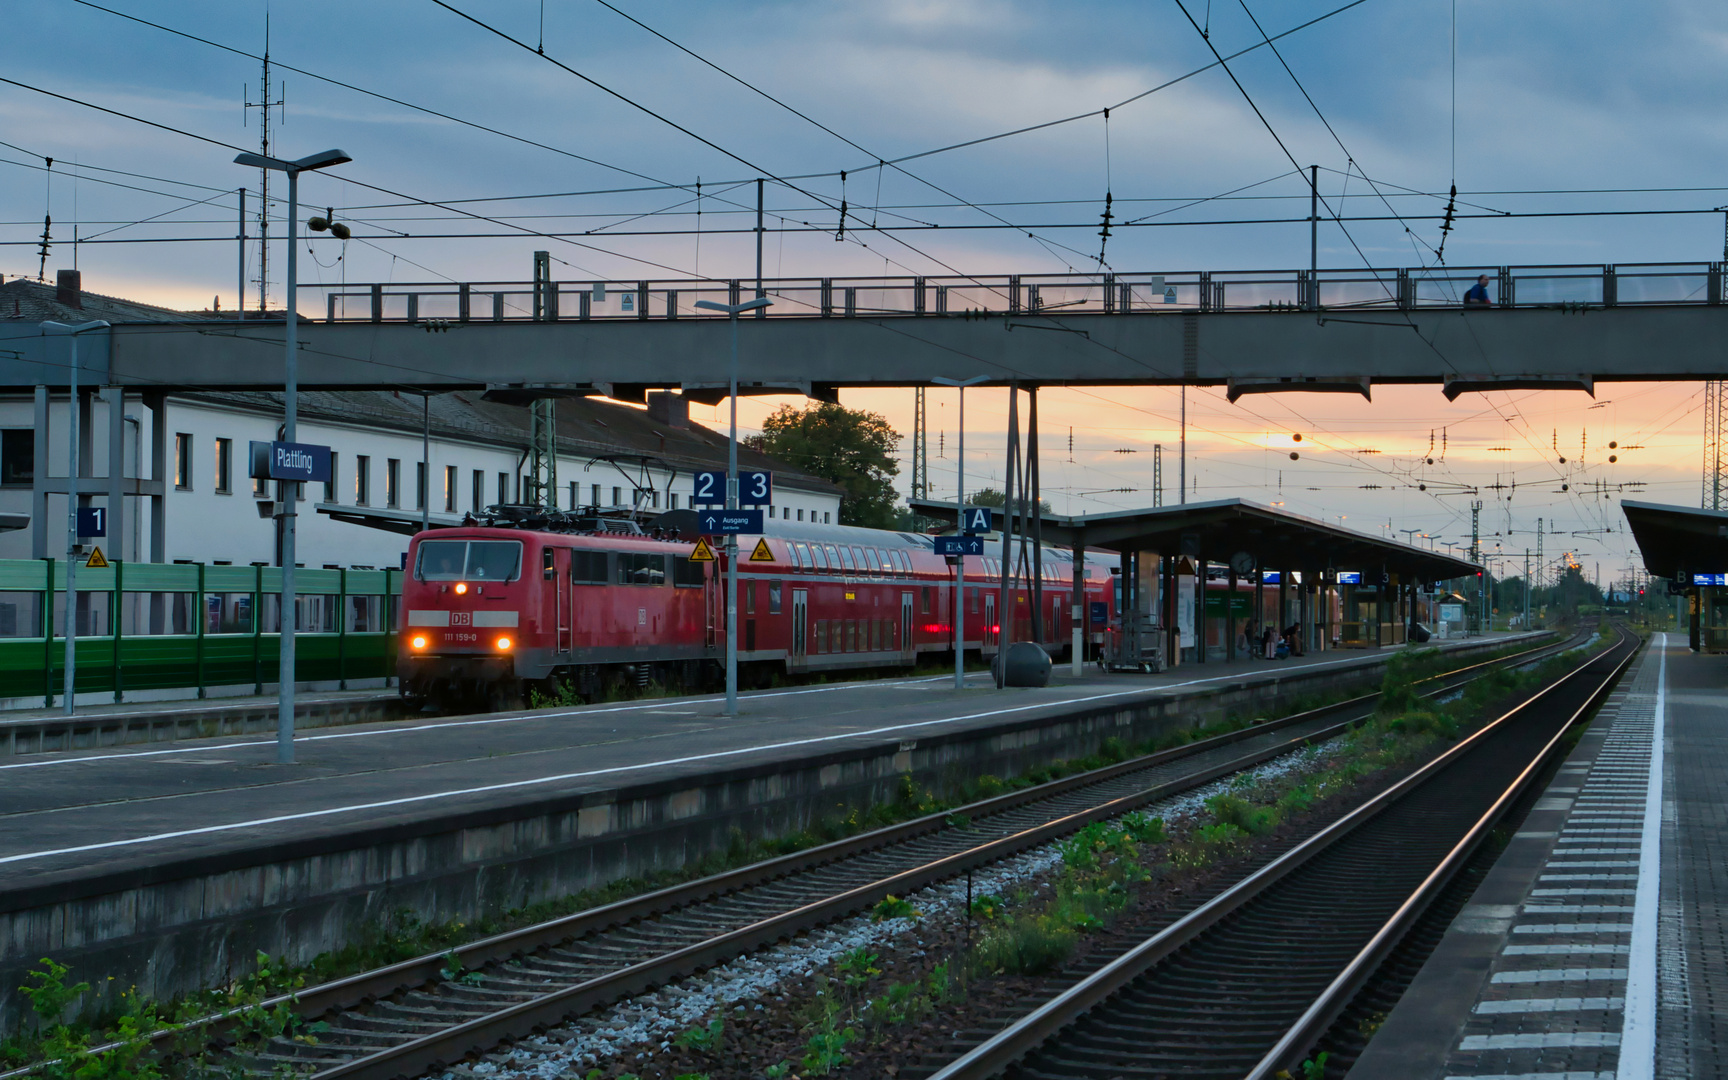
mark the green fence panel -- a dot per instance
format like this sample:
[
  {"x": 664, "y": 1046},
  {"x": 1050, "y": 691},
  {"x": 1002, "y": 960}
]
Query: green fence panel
[{"x": 160, "y": 577}]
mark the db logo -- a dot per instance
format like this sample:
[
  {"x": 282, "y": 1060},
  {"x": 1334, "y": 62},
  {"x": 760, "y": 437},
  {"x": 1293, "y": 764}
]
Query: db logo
[{"x": 461, "y": 618}]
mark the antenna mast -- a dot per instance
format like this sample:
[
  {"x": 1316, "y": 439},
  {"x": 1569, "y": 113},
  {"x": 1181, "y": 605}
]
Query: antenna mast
[{"x": 264, "y": 105}]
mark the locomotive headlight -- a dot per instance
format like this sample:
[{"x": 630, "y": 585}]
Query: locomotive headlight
[
  {"x": 419, "y": 641},
  {"x": 503, "y": 644},
  {"x": 461, "y": 587}
]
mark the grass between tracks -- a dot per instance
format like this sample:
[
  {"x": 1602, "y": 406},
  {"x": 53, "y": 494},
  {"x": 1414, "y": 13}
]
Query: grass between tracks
[{"x": 1101, "y": 864}]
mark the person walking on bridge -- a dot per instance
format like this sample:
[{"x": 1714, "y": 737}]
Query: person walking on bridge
[{"x": 1477, "y": 296}]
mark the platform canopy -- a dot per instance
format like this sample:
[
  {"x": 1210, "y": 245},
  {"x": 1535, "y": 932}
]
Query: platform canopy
[
  {"x": 1680, "y": 541},
  {"x": 1222, "y": 531}
]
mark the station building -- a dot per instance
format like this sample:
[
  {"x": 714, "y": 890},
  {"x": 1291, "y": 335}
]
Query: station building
[{"x": 171, "y": 466}]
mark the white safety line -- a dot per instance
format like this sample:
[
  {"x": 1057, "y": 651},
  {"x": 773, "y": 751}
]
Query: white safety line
[
  {"x": 660, "y": 703},
  {"x": 1638, "y": 1029},
  {"x": 270, "y": 740}
]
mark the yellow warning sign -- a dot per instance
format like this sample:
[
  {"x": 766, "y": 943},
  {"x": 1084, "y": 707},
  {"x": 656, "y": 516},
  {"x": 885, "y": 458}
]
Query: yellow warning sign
[
  {"x": 761, "y": 554},
  {"x": 703, "y": 552},
  {"x": 97, "y": 561}
]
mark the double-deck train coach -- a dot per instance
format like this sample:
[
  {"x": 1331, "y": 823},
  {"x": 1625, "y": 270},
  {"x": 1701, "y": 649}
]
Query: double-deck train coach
[{"x": 493, "y": 611}]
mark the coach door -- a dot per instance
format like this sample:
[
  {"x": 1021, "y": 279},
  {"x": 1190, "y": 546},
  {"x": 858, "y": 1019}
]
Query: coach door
[
  {"x": 800, "y": 625},
  {"x": 566, "y": 616},
  {"x": 906, "y": 624}
]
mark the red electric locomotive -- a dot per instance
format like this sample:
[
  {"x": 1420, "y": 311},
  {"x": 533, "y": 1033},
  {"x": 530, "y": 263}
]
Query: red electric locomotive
[{"x": 489, "y": 612}]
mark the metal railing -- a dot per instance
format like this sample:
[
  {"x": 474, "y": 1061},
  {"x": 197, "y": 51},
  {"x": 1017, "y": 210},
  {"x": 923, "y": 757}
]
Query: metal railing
[{"x": 1392, "y": 289}]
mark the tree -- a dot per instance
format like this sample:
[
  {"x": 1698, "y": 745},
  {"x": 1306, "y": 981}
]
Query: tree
[
  {"x": 849, "y": 447},
  {"x": 991, "y": 497}
]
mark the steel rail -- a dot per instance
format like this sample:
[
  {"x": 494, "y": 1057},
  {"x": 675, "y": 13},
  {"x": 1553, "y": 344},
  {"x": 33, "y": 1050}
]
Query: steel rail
[
  {"x": 1314, "y": 1023},
  {"x": 1039, "y": 1026}
]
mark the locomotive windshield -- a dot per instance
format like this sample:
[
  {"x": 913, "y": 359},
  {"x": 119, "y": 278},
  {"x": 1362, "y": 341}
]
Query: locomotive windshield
[{"x": 468, "y": 560}]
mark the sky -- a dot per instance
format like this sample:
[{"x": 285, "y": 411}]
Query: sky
[{"x": 590, "y": 123}]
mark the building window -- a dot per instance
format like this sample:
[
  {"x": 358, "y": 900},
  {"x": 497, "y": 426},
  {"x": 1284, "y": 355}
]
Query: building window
[
  {"x": 392, "y": 482},
  {"x": 18, "y": 456},
  {"x": 594, "y": 489},
  {"x": 362, "y": 480},
  {"x": 450, "y": 489},
  {"x": 224, "y": 466},
  {"x": 575, "y": 494},
  {"x": 420, "y": 491},
  {"x": 183, "y": 461},
  {"x": 503, "y": 488},
  {"x": 330, "y": 484},
  {"x": 671, "y": 500},
  {"x": 479, "y": 490},
  {"x": 654, "y": 499},
  {"x": 800, "y": 515},
  {"x": 617, "y": 496},
  {"x": 824, "y": 516}
]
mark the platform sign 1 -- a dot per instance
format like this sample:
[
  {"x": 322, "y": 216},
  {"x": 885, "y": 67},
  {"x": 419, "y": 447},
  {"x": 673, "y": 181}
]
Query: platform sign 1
[
  {"x": 1697, "y": 579},
  {"x": 755, "y": 487},
  {"x": 92, "y": 521},
  {"x": 959, "y": 545},
  {"x": 726, "y": 522},
  {"x": 975, "y": 519},
  {"x": 708, "y": 488}
]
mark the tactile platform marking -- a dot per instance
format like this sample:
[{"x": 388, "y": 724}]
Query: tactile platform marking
[{"x": 1554, "y": 1005}]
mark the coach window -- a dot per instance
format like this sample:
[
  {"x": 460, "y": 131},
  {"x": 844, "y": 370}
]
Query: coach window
[
  {"x": 858, "y": 558},
  {"x": 833, "y": 557},
  {"x": 547, "y": 561},
  {"x": 687, "y": 574},
  {"x": 773, "y": 598},
  {"x": 814, "y": 560},
  {"x": 589, "y": 567},
  {"x": 924, "y": 601},
  {"x": 845, "y": 557},
  {"x": 867, "y": 559},
  {"x": 972, "y": 601},
  {"x": 637, "y": 568}
]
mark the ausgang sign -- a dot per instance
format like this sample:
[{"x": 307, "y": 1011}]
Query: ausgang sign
[{"x": 298, "y": 462}]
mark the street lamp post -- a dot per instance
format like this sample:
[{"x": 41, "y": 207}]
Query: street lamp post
[
  {"x": 732, "y": 311},
  {"x": 959, "y": 619},
  {"x": 287, "y": 609},
  {"x": 71, "y": 601}
]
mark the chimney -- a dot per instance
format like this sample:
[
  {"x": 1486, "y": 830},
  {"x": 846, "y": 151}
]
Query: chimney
[
  {"x": 69, "y": 288},
  {"x": 669, "y": 409}
]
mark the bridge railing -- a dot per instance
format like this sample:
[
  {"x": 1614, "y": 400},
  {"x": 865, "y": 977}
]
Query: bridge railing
[{"x": 1046, "y": 295}]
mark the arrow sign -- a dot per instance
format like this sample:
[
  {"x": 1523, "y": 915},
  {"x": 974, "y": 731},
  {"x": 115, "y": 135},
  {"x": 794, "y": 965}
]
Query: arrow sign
[
  {"x": 727, "y": 522},
  {"x": 959, "y": 545}
]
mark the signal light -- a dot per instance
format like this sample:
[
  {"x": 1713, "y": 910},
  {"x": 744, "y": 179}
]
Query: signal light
[
  {"x": 461, "y": 587},
  {"x": 503, "y": 644},
  {"x": 419, "y": 641}
]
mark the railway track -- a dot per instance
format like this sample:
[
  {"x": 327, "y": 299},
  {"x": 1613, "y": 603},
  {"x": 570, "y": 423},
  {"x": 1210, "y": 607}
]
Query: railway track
[
  {"x": 412, "y": 1017},
  {"x": 1249, "y": 983}
]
